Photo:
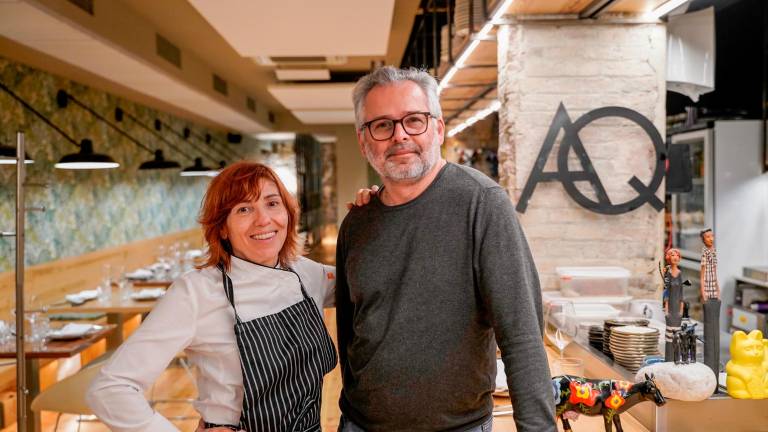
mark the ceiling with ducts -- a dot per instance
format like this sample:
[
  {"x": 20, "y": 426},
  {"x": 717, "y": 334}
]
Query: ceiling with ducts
[
  {"x": 262, "y": 65},
  {"x": 243, "y": 65}
]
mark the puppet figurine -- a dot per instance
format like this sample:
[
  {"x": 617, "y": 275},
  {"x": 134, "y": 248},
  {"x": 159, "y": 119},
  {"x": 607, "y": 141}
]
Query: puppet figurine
[
  {"x": 673, "y": 299},
  {"x": 710, "y": 297}
]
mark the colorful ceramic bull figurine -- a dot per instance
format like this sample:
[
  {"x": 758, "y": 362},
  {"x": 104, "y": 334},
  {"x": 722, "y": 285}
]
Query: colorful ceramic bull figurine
[{"x": 608, "y": 398}]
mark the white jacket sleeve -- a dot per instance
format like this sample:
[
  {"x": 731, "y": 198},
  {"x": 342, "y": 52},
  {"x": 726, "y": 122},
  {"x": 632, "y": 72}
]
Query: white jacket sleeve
[
  {"x": 117, "y": 394},
  {"x": 329, "y": 286}
]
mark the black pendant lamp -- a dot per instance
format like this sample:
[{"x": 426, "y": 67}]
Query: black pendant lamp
[
  {"x": 86, "y": 159},
  {"x": 198, "y": 170},
  {"x": 159, "y": 162},
  {"x": 8, "y": 156},
  {"x": 214, "y": 173}
]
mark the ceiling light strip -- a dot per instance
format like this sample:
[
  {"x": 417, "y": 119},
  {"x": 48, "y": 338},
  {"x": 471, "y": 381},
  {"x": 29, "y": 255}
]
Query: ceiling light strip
[
  {"x": 666, "y": 8},
  {"x": 469, "y": 49},
  {"x": 492, "y": 108}
]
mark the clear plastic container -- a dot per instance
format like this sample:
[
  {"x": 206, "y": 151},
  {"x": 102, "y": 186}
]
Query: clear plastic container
[{"x": 593, "y": 281}]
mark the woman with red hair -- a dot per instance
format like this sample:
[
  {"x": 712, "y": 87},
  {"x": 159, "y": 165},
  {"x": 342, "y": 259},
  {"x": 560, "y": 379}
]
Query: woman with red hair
[{"x": 250, "y": 319}]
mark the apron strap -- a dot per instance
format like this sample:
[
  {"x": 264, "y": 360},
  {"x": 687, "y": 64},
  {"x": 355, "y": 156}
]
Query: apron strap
[
  {"x": 301, "y": 284},
  {"x": 227, "y": 282}
]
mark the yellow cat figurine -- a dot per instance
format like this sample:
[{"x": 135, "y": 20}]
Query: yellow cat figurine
[
  {"x": 765, "y": 364},
  {"x": 747, "y": 369}
]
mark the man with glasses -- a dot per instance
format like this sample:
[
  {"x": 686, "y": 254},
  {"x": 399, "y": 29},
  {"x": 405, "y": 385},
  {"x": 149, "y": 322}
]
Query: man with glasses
[{"x": 429, "y": 272}]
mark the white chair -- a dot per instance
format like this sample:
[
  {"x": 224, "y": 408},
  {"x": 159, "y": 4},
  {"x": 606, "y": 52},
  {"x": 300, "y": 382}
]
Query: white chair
[{"x": 68, "y": 395}]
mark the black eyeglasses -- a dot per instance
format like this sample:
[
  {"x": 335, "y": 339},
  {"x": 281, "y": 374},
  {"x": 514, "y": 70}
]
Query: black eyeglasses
[{"x": 413, "y": 124}]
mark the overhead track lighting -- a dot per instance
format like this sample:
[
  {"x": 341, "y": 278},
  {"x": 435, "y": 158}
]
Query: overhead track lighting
[
  {"x": 666, "y": 8},
  {"x": 85, "y": 158},
  {"x": 496, "y": 15},
  {"x": 492, "y": 108},
  {"x": 63, "y": 98}
]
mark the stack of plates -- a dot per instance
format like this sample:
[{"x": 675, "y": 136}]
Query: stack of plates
[
  {"x": 630, "y": 344},
  {"x": 596, "y": 337},
  {"x": 616, "y": 322}
]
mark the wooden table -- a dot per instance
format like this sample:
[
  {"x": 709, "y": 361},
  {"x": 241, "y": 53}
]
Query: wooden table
[
  {"x": 152, "y": 283},
  {"x": 116, "y": 309},
  {"x": 52, "y": 350}
]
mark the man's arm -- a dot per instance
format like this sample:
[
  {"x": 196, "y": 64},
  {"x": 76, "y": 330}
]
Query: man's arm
[{"x": 509, "y": 285}]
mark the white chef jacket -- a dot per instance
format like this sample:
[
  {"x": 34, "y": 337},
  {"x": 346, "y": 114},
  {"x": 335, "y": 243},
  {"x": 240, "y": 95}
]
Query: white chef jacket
[{"x": 194, "y": 316}]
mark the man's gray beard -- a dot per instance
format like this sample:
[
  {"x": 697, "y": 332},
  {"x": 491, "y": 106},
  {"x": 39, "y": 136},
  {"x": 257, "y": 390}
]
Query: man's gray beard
[{"x": 413, "y": 171}]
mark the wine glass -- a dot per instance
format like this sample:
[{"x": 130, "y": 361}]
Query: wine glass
[{"x": 560, "y": 324}]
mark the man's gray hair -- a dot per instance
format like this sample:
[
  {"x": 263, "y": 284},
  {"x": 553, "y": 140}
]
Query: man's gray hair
[{"x": 389, "y": 75}]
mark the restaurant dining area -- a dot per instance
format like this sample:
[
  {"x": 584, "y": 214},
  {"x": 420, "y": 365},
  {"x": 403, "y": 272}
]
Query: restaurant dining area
[{"x": 585, "y": 195}]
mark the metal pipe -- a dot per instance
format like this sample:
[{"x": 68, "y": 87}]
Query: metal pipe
[
  {"x": 109, "y": 123},
  {"x": 167, "y": 142},
  {"x": 211, "y": 141},
  {"x": 450, "y": 32},
  {"x": 37, "y": 113},
  {"x": 181, "y": 136},
  {"x": 435, "y": 36},
  {"x": 21, "y": 385}
]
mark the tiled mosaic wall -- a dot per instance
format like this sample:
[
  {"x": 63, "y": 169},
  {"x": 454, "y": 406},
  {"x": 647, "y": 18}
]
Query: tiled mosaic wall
[{"x": 90, "y": 210}]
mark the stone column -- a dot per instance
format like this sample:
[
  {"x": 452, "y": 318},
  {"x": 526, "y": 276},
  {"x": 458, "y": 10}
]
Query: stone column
[{"x": 585, "y": 66}]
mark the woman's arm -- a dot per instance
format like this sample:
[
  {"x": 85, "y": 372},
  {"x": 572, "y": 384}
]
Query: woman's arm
[
  {"x": 329, "y": 286},
  {"x": 117, "y": 394}
]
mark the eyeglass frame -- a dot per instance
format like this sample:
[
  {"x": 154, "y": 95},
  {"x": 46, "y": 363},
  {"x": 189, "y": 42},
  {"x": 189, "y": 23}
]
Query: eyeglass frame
[{"x": 367, "y": 125}]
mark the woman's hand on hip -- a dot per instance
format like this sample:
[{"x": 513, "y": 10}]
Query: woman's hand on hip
[{"x": 201, "y": 428}]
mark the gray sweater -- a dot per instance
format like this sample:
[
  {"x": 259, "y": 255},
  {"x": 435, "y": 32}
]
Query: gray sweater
[{"x": 422, "y": 290}]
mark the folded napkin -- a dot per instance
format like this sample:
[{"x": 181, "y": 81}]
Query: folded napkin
[
  {"x": 81, "y": 297},
  {"x": 148, "y": 294},
  {"x": 193, "y": 253},
  {"x": 140, "y": 274},
  {"x": 159, "y": 266},
  {"x": 72, "y": 331}
]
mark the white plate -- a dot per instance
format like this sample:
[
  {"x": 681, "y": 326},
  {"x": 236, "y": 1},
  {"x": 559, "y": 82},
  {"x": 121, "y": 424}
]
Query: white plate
[
  {"x": 633, "y": 330},
  {"x": 73, "y": 331}
]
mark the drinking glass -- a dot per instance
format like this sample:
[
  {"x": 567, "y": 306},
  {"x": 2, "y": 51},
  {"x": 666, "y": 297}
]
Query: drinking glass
[
  {"x": 568, "y": 366},
  {"x": 105, "y": 291},
  {"x": 124, "y": 286},
  {"x": 5, "y": 335},
  {"x": 560, "y": 324}
]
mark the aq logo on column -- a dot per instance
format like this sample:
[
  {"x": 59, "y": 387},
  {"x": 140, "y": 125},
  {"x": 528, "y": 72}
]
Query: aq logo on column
[{"x": 645, "y": 193}]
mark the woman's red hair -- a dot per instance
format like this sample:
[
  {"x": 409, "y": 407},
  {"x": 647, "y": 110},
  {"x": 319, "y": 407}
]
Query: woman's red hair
[
  {"x": 237, "y": 183},
  {"x": 669, "y": 252}
]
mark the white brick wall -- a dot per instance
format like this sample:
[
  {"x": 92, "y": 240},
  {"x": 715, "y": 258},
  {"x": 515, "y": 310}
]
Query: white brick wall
[{"x": 584, "y": 66}]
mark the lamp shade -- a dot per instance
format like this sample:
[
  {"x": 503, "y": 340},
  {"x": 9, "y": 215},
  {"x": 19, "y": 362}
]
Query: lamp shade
[
  {"x": 214, "y": 173},
  {"x": 86, "y": 159},
  {"x": 159, "y": 162},
  {"x": 8, "y": 156},
  {"x": 198, "y": 170}
]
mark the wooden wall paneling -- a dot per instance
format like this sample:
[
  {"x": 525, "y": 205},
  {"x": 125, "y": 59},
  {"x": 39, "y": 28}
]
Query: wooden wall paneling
[{"x": 49, "y": 282}]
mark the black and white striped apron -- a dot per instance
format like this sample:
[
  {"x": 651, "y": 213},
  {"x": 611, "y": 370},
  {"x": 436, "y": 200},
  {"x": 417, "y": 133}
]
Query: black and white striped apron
[{"x": 284, "y": 357}]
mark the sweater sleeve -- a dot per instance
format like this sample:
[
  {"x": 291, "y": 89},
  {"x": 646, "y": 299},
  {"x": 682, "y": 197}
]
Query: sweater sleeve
[
  {"x": 117, "y": 394},
  {"x": 509, "y": 286}
]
